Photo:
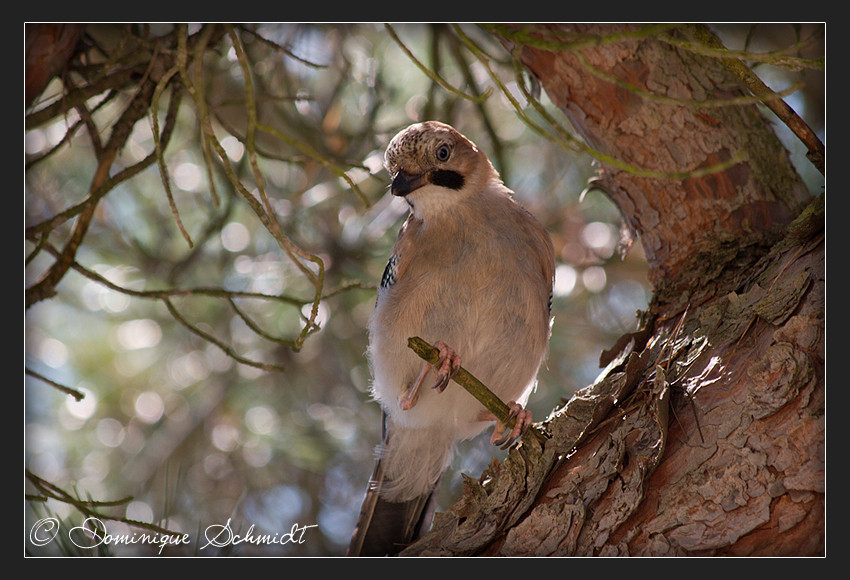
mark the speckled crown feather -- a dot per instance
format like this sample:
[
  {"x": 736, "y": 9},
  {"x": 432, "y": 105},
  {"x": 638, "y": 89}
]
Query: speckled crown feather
[{"x": 412, "y": 145}]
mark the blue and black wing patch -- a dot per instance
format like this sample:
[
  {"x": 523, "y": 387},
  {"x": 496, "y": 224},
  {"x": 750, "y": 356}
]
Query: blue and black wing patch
[{"x": 389, "y": 277}]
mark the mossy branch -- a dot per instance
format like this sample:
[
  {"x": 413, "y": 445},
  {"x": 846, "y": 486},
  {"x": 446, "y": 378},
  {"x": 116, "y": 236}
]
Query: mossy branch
[
  {"x": 817, "y": 152},
  {"x": 473, "y": 386}
]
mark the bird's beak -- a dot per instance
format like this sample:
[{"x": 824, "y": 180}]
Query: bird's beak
[{"x": 404, "y": 183}]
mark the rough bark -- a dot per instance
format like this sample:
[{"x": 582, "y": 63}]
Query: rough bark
[
  {"x": 704, "y": 435},
  {"x": 48, "y": 47}
]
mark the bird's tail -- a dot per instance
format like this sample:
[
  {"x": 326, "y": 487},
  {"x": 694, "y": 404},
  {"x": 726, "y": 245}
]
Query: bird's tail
[
  {"x": 401, "y": 497},
  {"x": 384, "y": 527}
]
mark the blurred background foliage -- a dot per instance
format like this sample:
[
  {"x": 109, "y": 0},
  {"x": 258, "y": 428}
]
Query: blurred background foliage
[{"x": 240, "y": 394}]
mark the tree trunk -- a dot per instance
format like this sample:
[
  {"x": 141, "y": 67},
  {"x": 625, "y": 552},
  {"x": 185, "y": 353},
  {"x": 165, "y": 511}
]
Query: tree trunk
[{"x": 704, "y": 435}]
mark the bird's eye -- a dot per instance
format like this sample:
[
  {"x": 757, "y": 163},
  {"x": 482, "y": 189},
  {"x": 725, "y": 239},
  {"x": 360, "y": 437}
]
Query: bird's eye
[{"x": 443, "y": 153}]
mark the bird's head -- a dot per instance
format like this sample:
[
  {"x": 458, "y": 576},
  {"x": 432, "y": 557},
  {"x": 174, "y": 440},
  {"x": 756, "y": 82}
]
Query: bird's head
[{"x": 434, "y": 167}]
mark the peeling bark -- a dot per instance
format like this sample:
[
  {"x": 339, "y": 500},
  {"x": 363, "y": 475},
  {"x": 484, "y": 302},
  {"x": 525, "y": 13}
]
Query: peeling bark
[{"x": 704, "y": 435}]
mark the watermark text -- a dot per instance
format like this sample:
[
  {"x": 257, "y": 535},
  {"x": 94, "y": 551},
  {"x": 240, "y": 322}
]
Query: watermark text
[{"x": 92, "y": 533}]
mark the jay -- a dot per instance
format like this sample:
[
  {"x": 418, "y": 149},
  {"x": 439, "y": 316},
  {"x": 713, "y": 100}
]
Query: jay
[{"x": 471, "y": 272}]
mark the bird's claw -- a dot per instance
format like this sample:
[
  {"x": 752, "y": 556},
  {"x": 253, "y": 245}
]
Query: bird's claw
[
  {"x": 447, "y": 367},
  {"x": 410, "y": 396},
  {"x": 523, "y": 422}
]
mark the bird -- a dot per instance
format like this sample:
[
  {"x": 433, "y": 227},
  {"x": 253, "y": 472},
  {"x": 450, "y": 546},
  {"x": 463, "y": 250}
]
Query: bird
[{"x": 472, "y": 273}]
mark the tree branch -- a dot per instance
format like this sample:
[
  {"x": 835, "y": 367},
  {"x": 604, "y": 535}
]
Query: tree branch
[{"x": 771, "y": 100}]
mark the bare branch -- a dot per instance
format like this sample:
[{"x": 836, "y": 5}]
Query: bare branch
[{"x": 68, "y": 390}]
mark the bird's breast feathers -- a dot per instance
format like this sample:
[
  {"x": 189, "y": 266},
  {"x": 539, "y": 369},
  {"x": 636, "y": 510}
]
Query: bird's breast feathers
[{"x": 470, "y": 268}]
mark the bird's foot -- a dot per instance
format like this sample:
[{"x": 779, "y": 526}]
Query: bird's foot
[
  {"x": 447, "y": 367},
  {"x": 410, "y": 396},
  {"x": 523, "y": 422}
]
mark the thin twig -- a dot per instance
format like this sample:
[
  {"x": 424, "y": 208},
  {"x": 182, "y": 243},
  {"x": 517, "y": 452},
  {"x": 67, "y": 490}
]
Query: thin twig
[
  {"x": 307, "y": 150},
  {"x": 46, "y": 286},
  {"x": 432, "y": 74},
  {"x": 164, "y": 295},
  {"x": 473, "y": 386},
  {"x": 115, "y": 80},
  {"x": 264, "y": 210},
  {"x": 78, "y": 395},
  {"x": 39, "y": 232},
  {"x": 49, "y": 490},
  {"x": 66, "y": 138},
  {"x": 259, "y": 331},
  {"x": 160, "y": 152},
  {"x": 282, "y": 49},
  {"x": 220, "y": 344},
  {"x": 495, "y": 141}
]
